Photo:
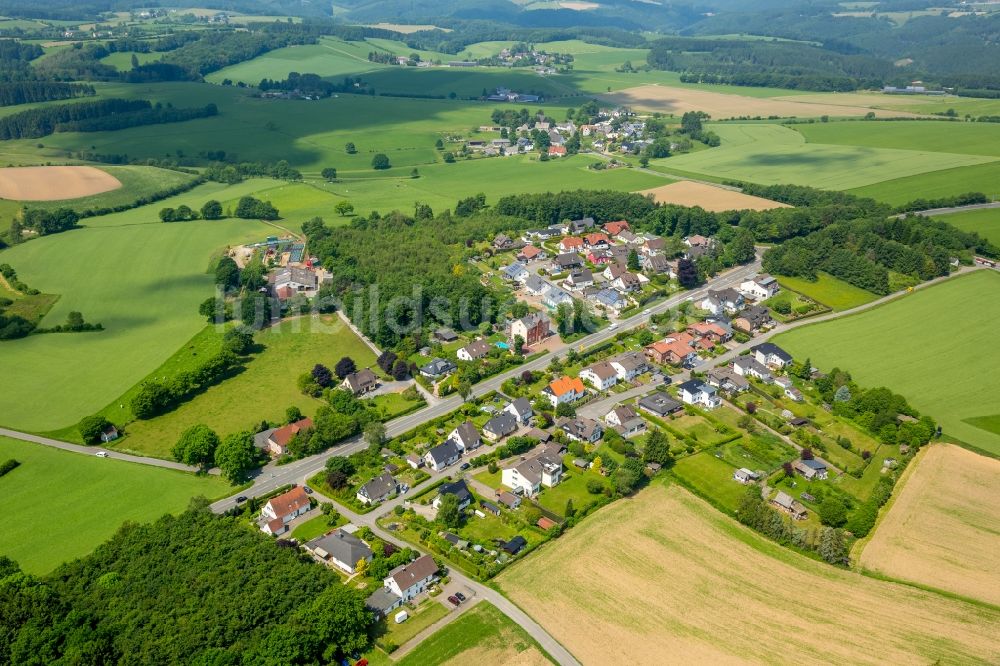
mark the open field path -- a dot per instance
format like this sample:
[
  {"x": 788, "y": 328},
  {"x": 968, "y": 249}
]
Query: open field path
[
  {"x": 668, "y": 176},
  {"x": 954, "y": 209}
]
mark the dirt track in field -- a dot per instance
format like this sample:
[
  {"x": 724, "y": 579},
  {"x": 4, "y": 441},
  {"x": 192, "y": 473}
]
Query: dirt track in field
[
  {"x": 714, "y": 199},
  {"x": 721, "y": 106},
  {"x": 943, "y": 529},
  {"x": 54, "y": 183},
  {"x": 665, "y": 578}
]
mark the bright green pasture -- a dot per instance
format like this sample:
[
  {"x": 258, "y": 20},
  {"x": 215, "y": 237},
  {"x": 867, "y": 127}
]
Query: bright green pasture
[
  {"x": 983, "y": 178},
  {"x": 330, "y": 57},
  {"x": 61, "y": 505},
  {"x": 401, "y": 49},
  {"x": 830, "y": 291},
  {"x": 937, "y": 136},
  {"x": 773, "y": 154},
  {"x": 985, "y": 222},
  {"x": 123, "y": 59},
  {"x": 936, "y": 346},
  {"x": 711, "y": 477},
  {"x": 467, "y": 82},
  {"x": 142, "y": 280}
]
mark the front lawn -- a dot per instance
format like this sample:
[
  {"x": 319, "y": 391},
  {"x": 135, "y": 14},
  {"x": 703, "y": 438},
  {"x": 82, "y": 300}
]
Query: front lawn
[
  {"x": 424, "y": 615},
  {"x": 315, "y": 527}
]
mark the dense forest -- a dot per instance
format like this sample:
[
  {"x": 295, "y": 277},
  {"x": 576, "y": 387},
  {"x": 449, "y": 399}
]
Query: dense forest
[
  {"x": 191, "y": 589},
  {"x": 97, "y": 116},
  {"x": 26, "y": 92}
]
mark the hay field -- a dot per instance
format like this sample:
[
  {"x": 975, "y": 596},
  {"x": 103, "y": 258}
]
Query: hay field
[
  {"x": 709, "y": 197},
  {"x": 941, "y": 530},
  {"x": 664, "y": 573},
  {"x": 669, "y": 99},
  {"x": 54, "y": 183}
]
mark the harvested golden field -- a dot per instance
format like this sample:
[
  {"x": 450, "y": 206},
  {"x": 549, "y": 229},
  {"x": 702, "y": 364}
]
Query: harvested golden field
[
  {"x": 942, "y": 529},
  {"x": 407, "y": 28},
  {"x": 720, "y": 106},
  {"x": 53, "y": 183},
  {"x": 665, "y": 574},
  {"x": 709, "y": 197}
]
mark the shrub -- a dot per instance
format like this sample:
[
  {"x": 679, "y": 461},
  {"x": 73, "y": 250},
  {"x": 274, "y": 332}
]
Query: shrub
[
  {"x": 8, "y": 466},
  {"x": 91, "y": 427},
  {"x": 595, "y": 486}
]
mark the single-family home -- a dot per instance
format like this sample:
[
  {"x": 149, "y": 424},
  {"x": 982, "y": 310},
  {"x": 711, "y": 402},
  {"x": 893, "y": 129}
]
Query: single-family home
[
  {"x": 789, "y": 389},
  {"x": 378, "y": 490},
  {"x": 745, "y": 476},
  {"x": 555, "y": 297},
  {"x": 556, "y": 151},
  {"x": 596, "y": 240},
  {"x": 341, "y": 549},
  {"x": 521, "y": 410},
  {"x": 581, "y": 429},
  {"x": 466, "y": 436},
  {"x": 532, "y": 328},
  {"x": 609, "y": 299},
  {"x": 509, "y": 500},
  {"x": 752, "y": 319},
  {"x": 571, "y": 244},
  {"x": 438, "y": 367},
  {"x": 601, "y": 257},
  {"x": 515, "y": 272},
  {"x": 696, "y": 392},
  {"x": 630, "y": 238},
  {"x": 659, "y": 404},
  {"x": 579, "y": 226},
  {"x": 564, "y": 390},
  {"x": 771, "y": 355},
  {"x": 726, "y": 379},
  {"x": 615, "y": 228},
  {"x": 790, "y": 505},
  {"x": 747, "y": 366},
  {"x": 109, "y": 433},
  {"x": 722, "y": 300},
  {"x": 600, "y": 375},
  {"x": 500, "y": 426},
  {"x": 810, "y": 469},
  {"x": 285, "y": 282},
  {"x": 473, "y": 351},
  {"x": 382, "y": 601},
  {"x": 566, "y": 261},
  {"x": 760, "y": 288},
  {"x": 579, "y": 280},
  {"x": 657, "y": 264},
  {"x": 456, "y": 488},
  {"x": 698, "y": 240},
  {"x": 283, "y": 509},
  {"x": 535, "y": 286},
  {"x": 411, "y": 579},
  {"x": 414, "y": 461},
  {"x": 278, "y": 440},
  {"x": 361, "y": 382},
  {"x": 625, "y": 420},
  {"x": 442, "y": 455},
  {"x": 528, "y": 475},
  {"x": 671, "y": 350},
  {"x": 711, "y": 330},
  {"x": 531, "y": 253},
  {"x": 653, "y": 245},
  {"x": 629, "y": 365},
  {"x": 627, "y": 282},
  {"x": 503, "y": 241}
]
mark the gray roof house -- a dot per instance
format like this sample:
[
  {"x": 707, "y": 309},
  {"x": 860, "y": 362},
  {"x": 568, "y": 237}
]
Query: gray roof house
[
  {"x": 659, "y": 404},
  {"x": 378, "y": 489},
  {"x": 437, "y": 368},
  {"x": 466, "y": 436},
  {"x": 442, "y": 455},
  {"x": 341, "y": 549},
  {"x": 360, "y": 382},
  {"x": 382, "y": 601},
  {"x": 500, "y": 426},
  {"x": 458, "y": 489},
  {"x": 581, "y": 429},
  {"x": 521, "y": 410}
]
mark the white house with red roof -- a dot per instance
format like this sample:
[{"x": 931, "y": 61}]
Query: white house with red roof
[{"x": 283, "y": 509}]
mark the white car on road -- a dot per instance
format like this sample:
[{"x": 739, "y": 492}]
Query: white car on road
[{"x": 102, "y": 454}]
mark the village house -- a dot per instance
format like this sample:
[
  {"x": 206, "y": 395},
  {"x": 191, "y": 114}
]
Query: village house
[
  {"x": 727, "y": 380},
  {"x": 528, "y": 475},
  {"x": 789, "y": 505},
  {"x": 659, "y": 404},
  {"x": 672, "y": 350},
  {"x": 719, "y": 301},
  {"x": 714, "y": 331},
  {"x": 571, "y": 244},
  {"x": 810, "y": 469},
  {"x": 509, "y": 500},
  {"x": 771, "y": 355},
  {"x": 581, "y": 429},
  {"x": 458, "y": 489},
  {"x": 615, "y": 228},
  {"x": 564, "y": 390},
  {"x": 747, "y": 366},
  {"x": 361, "y": 382},
  {"x": 609, "y": 299},
  {"x": 760, "y": 288},
  {"x": 414, "y": 461},
  {"x": 516, "y": 272},
  {"x": 109, "y": 434},
  {"x": 579, "y": 226},
  {"x": 745, "y": 476},
  {"x": 502, "y": 241},
  {"x": 600, "y": 375},
  {"x": 630, "y": 238},
  {"x": 556, "y": 150},
  {"x": 473, "y": 351},
  {"x": 531, "y": 253},
  {"x": 657, "y": 264},
  {"x": 536, "y": 286},
  {"x": 532, "y": 328},
  {"x": 438, "y": 367},
  {"x": 653, "y": 245},
  {"x": 378, "y": 490},
  {"x": 500, "y": 426},
  {"x": 625, "y": 420},
  {"x": 629, "y": 365},
  {"x": 596, "y": 240},
  {"x": 789, "y": 389},
  {"x": 283, "y": 509},
  {"x": 290, "y": 280},
  {"x": 411, "y": 579},
  {"x": 698, "y": 241},
  {"x": 521, "y": 410},
  {"x": 381, "y": 602},
  {"x": 278, "y": 440},
  {"x": 555, "y": 297},
  {"x": 466, "y": 436},
  {"x": 753, "y": 319},
  {"x": 341, "y": 549},
  {"x": 579, "y": 280},
  {"x": 601, "y": 257},
  {"x": 627, "y": 282},
  {"x": 442, "y": 455},
  {"x": 696, "y": 392},
  {"x": 566, "y": 261},
  {"x": 445, "y": 335}
]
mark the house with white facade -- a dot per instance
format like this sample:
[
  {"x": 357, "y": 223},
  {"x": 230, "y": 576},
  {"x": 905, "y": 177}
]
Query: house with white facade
[
  {"x": 283, "y": 509},
  {"x": 565, "y": 390},
  {"x": 528, "y": 475},
  {"x": 411, "y": 579},
  {"x": 760, "y": 288},
  {"x": 600, "y": 375},
  {"x": 771, "y": 355},
  {"x": 695, "y": 392},
  {"x": 466, "y": 436}
]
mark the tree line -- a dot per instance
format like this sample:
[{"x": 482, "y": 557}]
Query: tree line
[
  {"x": 95, "y": 116},
  {"x": 27, "y": 92}
]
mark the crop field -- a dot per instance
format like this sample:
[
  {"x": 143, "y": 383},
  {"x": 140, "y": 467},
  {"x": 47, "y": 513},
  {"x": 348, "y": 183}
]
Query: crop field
[
  {"x": 330, "y": 57},
  {"x": 262, "y": 391},
  {"x": 983, "y": 178},
  {"x": 937, "y": 136},
  {"x": 84, "y": 499},
  {"x": 466, "y": 82},
  {"x": 681, "y": 579},
  {"x": 984, "y": 222},
  {"x": 735, "y": 104},
  {"x": 53, "y": 183},
  {"x": 715, "y": 199},
  {"x": 830, "y": 291},
  {"x": 772, "y": 154},
  {"x": 920, "y": 104},
  {"x": 143, "y": 280},
  {"x": 889, "y": 346},
  {"x": 940, "y": 530}
]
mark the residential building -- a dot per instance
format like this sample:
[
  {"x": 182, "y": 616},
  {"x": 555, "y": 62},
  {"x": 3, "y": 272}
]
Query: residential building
[
  {"x": 727, "y": 380},
  {"x": 515, "y": 272},
  {"x": 580, "y": 226},
  {"x": 571, "y": 244},
  {"x": 698, "y": 241},
  {"x": 515, "y": 545},
  {"x": 509, "y": 500},
  {"x": 500, "y": 426},
  {"x": 566, "y": 261},
  {"x": 378, "y": 490},
  {"x": 657, "y": 264},
  {"x": 411, "y": 579},
  {"x": 747, "y": 366},
  {"x": 719, "y": 301},
  {"x": 695, "y": 392},
  {"x": 414, "y": 461},
  {"x": 283, "y": 509},
  {"x": 810, "y": 469},
  {"x": 109, "y": 434},
  {"x": 627, "y": 282},
  {"x": 531, "y": 253},
  {"x": 581, "y": 429},
  {"x": 789, "y": 505},
  {"x": 341, "y": 549},
  {"x": 536, "y": 286},
  {"x": 596, "y": 240},
  {"x": 625, "y": 420},
  {"x": 503, "y": 241},
  {"x": 753, "y": 319},
  {"x": 473, "y": 351},
  {"x": 710, "y": 330},
  {"x": 615, "y": 228},
  {"x": 771, "y": 355},
  {"x": 555, "y": 297},
  {"x": 466, "y": 436},
  {"x": 629, "y": 365},
  {"x": 609, "y": 299},
  {"x": 600, "y": 375},
  {"x": 564, "y": 390},
  {"x": 361, "y": 382},
  {"x": 672, "y": 350},
  {"x": 788, "y": 387},
  {"x": 653, "y": 245},
  {"x": 382, "y": 601},
  {"x": 579, "y": 280},
  {"x": 521, "y": 410},
  {"x": 659, "y": 404},
  {"x": 528, "y": 475},
  {"x": 442, "y": 455},
  {"x": 438, "y": 367},
  {"x": 278, "y": 440},
  {"x": 291, "y": 280},
  {"x": 760, "y": 288},
  {"x": 745, "y": 476},
  {"x": 532, "y": 328},
  {"x": 458, "y": 489},
  {"x": 445, "y": 335}
]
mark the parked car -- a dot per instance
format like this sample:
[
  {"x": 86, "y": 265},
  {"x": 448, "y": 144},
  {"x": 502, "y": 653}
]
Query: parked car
[
  {"x": 102, "y": 454},
  {"x": 613, "y": 327},
  {"x": 241, "y": 499},
  {"x": 461, "y": 597},
  {"x": 464, "y": 465},
  {"x": 454, "y": 600},
  {"x": 307, "y": 490},
  {"x": 646, "y": 311}
]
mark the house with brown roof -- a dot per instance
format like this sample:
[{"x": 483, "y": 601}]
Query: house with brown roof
[
  {"x": 601, "y": 375},
  {"x": 278, "y": 440},
  {"x": 283, "y": 509},
  {"x": 711, "y": 330},
  {"x": 571, "y": 244},
  {"x": 790, "y": 505},
  {"x": 532, "y": 328},
  {"x": 473, "y": 351},
  {"x": 531, "y": 253},
  {"x": 672, "y": 350},
  {"x": 615, "y": 228},
  {"x": 752, "y": 319},
  {"x": 361, "y": 382},
  {"x": 581, "y": 429},
  {"x": 411, "y": 579},
  {"x": 528, "y": 475},
  {"x": 596, "y": 240}
]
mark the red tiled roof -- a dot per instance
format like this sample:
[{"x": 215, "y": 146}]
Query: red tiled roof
[
  {"x": 557, "y": 150},
  {"x": 615, "y": 228},
  {"x": 564, "y": 385},
  {"x": 283, "y": 435},
  {"x": 571, "y": 241},
  {"x": 289, "y": 502},
  {"x": 530, "y": 251}
]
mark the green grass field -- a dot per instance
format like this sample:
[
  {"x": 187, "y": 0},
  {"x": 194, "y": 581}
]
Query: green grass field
[
  {"x": 773, "y": 154},
  {"x": 984, "y": 222},
  {"x": 123, "y": 59},
  {"x": 261, "y": 392},
  {"x": 711, "y": 477},
  {"x": 909, "y": 345},
  {"x": 830, "y": 291},
  {"x": 936, "y": 136},
  {"x": 983, "y": 178},
  {"x": 62, "y": 505},
  {"x": 143, "y": 280},
  {"x": 330, "y": 57}
]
